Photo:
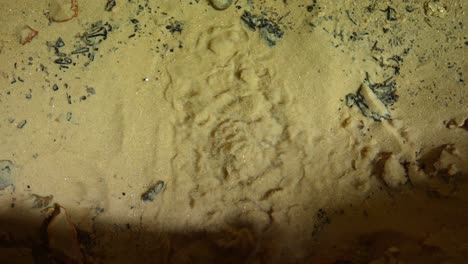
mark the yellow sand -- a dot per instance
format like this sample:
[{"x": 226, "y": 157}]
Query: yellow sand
[{"x": 262, "y": 159}]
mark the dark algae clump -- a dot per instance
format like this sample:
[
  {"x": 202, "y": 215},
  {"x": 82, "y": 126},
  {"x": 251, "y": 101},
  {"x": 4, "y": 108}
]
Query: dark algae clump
[
  {"x": 386, "y": 91},
  {"x": 269, "y": 30},
  {"x": 368, "y": 98},
  {"x": 175, "y": 26},
  {"x": 85, "y": 48}
]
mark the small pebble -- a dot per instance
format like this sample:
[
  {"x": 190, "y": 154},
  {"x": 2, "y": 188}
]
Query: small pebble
[
  {"x": 59, "y": 43},
  {"x": 22, "y": 124},
  {"x": 221, "y": 4},
  {"x": 110, "y": 5},
  {"x": 153, "y": 191}
]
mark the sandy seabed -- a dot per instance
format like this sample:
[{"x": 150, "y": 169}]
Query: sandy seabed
[{"x": 137, "y": 131}]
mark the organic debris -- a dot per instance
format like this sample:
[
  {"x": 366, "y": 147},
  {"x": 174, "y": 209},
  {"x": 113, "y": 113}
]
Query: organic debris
[
  {"x": 42, "y": 201},
  {"x": 62, "y": 237},
  {"x": 27, "y": 34},
  {"x": 6, "y": 174},
  {"x": 63, "y": 10}
]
